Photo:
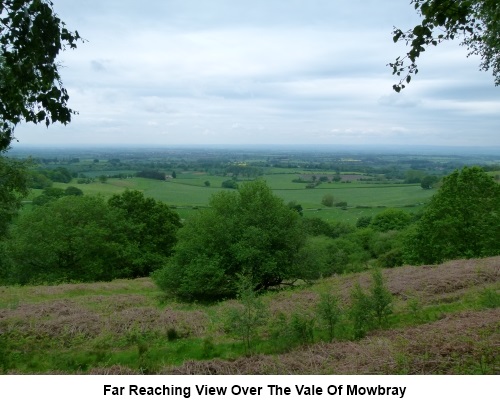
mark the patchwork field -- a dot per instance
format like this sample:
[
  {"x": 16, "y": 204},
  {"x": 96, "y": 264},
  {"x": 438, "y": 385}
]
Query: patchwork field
[{"x": 188, "y": 191}]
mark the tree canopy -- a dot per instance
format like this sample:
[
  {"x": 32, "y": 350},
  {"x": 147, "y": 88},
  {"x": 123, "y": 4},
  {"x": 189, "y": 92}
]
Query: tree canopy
[
  {"x": 82, "y": 238},
  {"x": 31, "y": 89},
  {"x": 152, "y": 228},
  {"x": 461, "y": 221},
  {"x": 14, "y": 185},
  {"x": 475, "y": 22},
  {"x": 249, "y": 231},
  {"x": 70, "y": 239}
]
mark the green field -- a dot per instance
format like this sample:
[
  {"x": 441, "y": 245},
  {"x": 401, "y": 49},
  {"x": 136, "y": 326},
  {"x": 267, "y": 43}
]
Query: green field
[{"x": 188, "y": 192}]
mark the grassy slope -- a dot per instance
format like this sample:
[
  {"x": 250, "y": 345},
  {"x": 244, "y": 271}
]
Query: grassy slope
[{"x": 441, "y": 324}]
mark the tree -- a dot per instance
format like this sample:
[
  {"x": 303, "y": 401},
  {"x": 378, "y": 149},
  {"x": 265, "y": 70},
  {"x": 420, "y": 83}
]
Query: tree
[
  {"x": 363, "y": 221},
  {"x": 474, "y": 21},
  {"x": 71, "y": 190},
  {"x": 330, "y": 312},
  {"x": 82, "y": 238},
  {"x": 48, "y": 195},
  {"x": 391, "y": 219},
  {"x": 428, "y": 181},
  {"x": 294, "y": 205},
  {"x": 461, "y": 221},
  {"x": 244, "y": 319},
  {"x": 381, "y": 298},
  {"x": 327, "y": 200},
  {"x": 39, "y": 181},
  {"x": 250, "y": 232},
  {"x": 230, "y": 183},
  {"x": 69, "y": 239},
  {"x": 14, "y": 186},
  {"x": 31, "y": 89},
  {"x": 150, "y": 226},
  {"x": 414, "y": 176}
]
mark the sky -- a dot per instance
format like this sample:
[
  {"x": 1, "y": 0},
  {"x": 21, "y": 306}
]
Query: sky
[{"x": 234, "y": 72}]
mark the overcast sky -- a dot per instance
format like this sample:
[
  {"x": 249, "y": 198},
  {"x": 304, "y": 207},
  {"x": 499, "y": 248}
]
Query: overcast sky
[{"x": 172, "y": 72}]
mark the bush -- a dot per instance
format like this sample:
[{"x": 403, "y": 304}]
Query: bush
[
  {"x": 302, "y": 328},
  {"x": 363, "y": 222},
  {"x": 329, "y": 312},
  {"x": 230, "y": 183},
  {"x": 489, "y": 298},
  {"x": 391, "y": 219},
  {"x": 381, "y": 299},
  {"x": 327, "y": 200},
  {"x": 360, "y": 312},
  {"x": 370, "y": 310},
  {"x": 244, "y": 320},
  {"x": 73, "y": 191},
  {"x": 318, "y": 226}
]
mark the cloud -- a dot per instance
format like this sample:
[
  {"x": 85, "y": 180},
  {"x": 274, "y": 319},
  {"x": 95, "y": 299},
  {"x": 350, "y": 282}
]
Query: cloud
[
  {"x": 97, "y": 65},
  {"x": 261, "y": 72},
  {"x": 399, "y": 101}
]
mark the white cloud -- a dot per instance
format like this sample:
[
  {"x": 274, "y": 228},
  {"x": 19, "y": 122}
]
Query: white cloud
[{"x": 262, "y": 72}]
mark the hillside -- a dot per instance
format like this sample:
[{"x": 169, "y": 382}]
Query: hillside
[{"x": 446, "y": 319}]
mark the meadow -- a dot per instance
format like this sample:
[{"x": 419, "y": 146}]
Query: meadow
[{"x": 188, "y": 192}]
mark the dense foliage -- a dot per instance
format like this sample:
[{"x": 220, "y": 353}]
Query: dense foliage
[
  {"x": 151, "y": 174},
  {"x": 69, "y": 239},
  {"x": 248, "y": 232},
  {"x": 461, "y": 221},
  {"x": 31, "y": 37},
  {"x": 14, "y": 182},
  {"x": 152, "y": 229},
  {"x": 80, "y": 238}
]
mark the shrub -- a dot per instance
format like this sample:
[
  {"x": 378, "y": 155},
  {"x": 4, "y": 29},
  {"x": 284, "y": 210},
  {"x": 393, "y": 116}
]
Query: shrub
[
  {"x": 230, "y": 183},
  {"x": 370, "y": 310},
  {"x": 327, "y": 200},
  {"x": 302, "y": 328},
  {"x": 360, "y": 312},
  {"x": 381, "y": 299},
  {"x": 489, "y": 298},
  {"x": 329, "y": 312},
  {"x": 363, "y": 222},
  {"x": 391, "y": 219},
  {"x": 244, "y": 320},
  {"x": 73, "y": 191}
]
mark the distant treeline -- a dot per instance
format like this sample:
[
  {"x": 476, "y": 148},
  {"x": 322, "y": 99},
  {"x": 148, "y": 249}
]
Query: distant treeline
[{"x": 152, "y": 174}]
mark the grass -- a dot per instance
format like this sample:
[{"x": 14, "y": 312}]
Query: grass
[
  {"x": 188, "y": 191},
  {"x": 128, "y": 325}
]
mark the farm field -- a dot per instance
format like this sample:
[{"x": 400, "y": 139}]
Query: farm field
[
  {"x": 188, "y": 191},
  {"x": 446, "y": 320},
  {"x": 367, "y": 182}
]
